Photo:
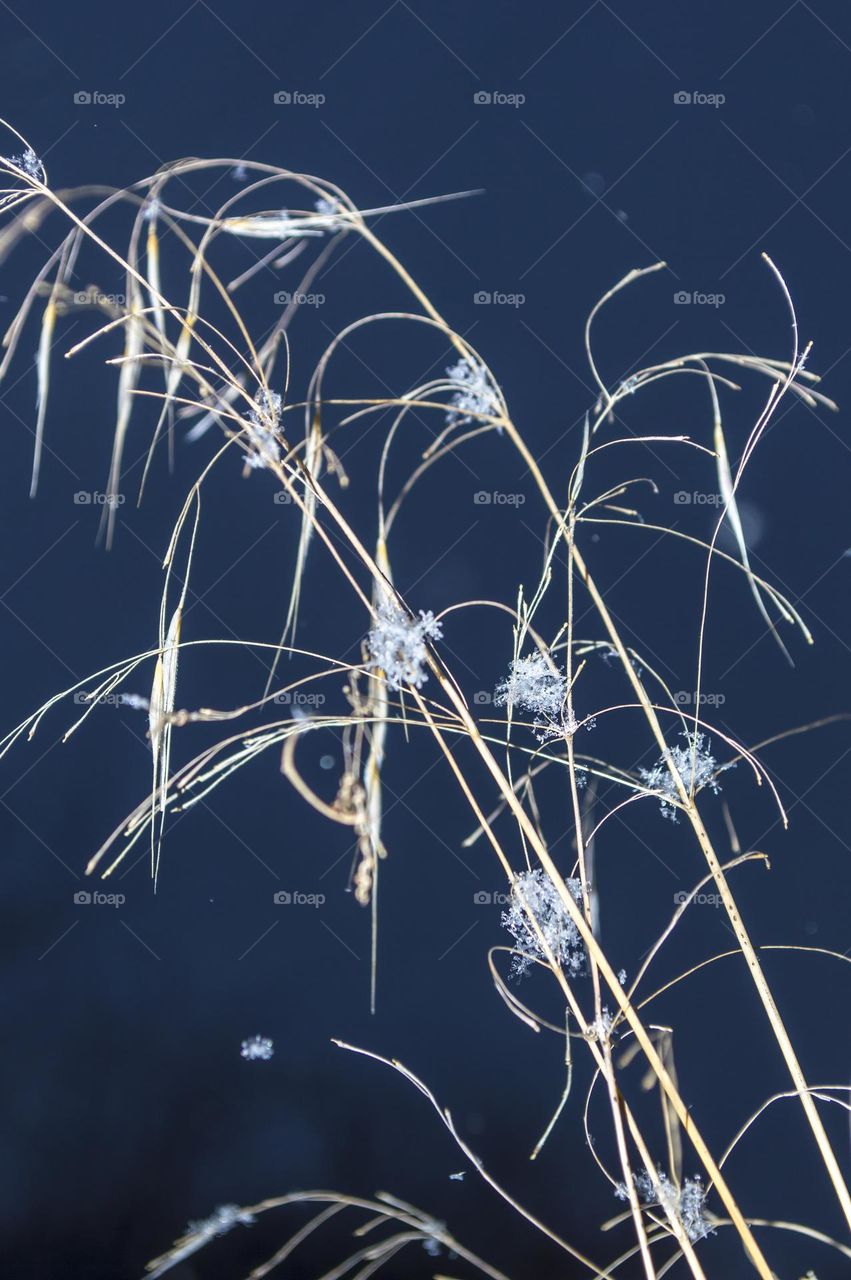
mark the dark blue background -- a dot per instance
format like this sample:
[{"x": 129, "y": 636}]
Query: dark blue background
[{"x": 127, "y": 1109}]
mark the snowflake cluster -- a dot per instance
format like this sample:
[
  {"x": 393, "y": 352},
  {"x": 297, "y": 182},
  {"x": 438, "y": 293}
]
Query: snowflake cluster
[
  {"x": 29, "y": 163},
  {"x": 257, "y": 1049},
  {"x": 397, "y": 644},
  {"x": 696, "y": 766},
  {"x": 561, "y": 934},
  {"x": 474, "y": 394},
  {"x": 687, "y": 1203},
  {"x": 262, "y": 426},
  {"x": 534, "y": 686}
]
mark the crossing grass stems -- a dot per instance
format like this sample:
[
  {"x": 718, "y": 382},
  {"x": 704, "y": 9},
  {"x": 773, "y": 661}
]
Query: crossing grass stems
[{"x": 673, "y": 1190}]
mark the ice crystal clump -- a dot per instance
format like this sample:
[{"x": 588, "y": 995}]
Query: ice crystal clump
[
  {"x": 474, "y": 394},
  {"x": 561, "y": 934},
  {"x": 686, "y": 1204},
  {"x": 257, "y": 1049},
  {"x": 263, "y": 421},
  {"x": 696, "y": 766},
  {"x": 397, "y": 644}
]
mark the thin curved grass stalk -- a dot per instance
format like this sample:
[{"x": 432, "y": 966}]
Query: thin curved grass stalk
[
  {"x": 45, "y": 342},
  {"x": 731, "y": 511},
  {"x": 127, "y": 379},
  {"x": 313, "y": 455},
  {"x": 562, "y": 1102},
  {"x": 371, "y": 846},
  {"x": 162, "y": 699},
  {"x": 384, "y": 1211},
  {"x": 816, "y": 1091},
  {"x": 470, "y": 1155}
]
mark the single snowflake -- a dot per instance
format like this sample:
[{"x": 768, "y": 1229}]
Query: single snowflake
[{"x": 257, "y": 1049}]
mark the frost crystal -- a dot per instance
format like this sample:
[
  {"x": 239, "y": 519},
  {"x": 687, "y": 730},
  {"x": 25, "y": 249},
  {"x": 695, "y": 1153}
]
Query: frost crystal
[
  {"x": 696, "y": 766},
  {"x": 263, "y": 421},
  {"x": 223, "y": 1219},
  {"x": 687, "y": 1204},
  {"x": 257, "y": 1049},
  {"x": 603, "y": 1023},
  {"x": 200, "y": 1233},
  {"x": 397, "y": 644},
  {"x": 474, "y": 394},
  {"x": 561, "y": 934}
]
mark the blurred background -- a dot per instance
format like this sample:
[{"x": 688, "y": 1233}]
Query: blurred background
[{"x": 603, "y": 138}]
